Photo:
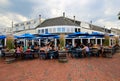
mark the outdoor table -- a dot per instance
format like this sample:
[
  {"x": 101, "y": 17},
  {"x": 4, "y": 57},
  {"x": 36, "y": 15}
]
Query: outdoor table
[
  {"x": 63, "y": 55},
  {"x": 108, "y": 52}
]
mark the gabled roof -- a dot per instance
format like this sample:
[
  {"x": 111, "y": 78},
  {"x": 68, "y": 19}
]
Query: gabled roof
[{"x": 59, "y": 21}]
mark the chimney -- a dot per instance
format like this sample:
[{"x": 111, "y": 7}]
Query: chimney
[
  {"x": 64, "y": 14},
  {"x": 74, "y": 19},
  {"x": 40, "y": 18}
]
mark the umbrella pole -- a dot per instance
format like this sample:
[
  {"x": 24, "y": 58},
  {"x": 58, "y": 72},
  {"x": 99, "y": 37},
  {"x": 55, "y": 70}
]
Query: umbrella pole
[{"x": 26, "y": 42}]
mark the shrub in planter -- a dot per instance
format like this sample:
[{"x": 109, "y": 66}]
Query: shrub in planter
[
  {"x": 10, "y": 43},
  {"x": 106, "y": 41},
  {"x": 62, "y": 41}
]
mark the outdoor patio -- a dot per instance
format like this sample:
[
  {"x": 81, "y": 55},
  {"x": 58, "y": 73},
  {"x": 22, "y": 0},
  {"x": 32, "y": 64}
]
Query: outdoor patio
[{"x": 84, "y": 69}]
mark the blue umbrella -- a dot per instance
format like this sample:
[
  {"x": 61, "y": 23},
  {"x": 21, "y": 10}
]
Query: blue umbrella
[
  {"x": 111, "y": 35},
  {"x": 78, "y": 34},
  {"x": 86, "y": 36},
  {"x": 26, "y": 35},
  {"x": 97, "y": 34},
  {"x": 2, "y": 36},
  {"x": 56, "y": 37},
  {"x": 71, "y": 36}
]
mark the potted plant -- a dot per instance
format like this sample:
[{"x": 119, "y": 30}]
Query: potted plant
[
  {"x": 106, "y": 41},
  {"x": 62, "y": 42}
]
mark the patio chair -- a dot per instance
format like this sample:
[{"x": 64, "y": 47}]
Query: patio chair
[
  {"x": 42, "y": 54},
  {"x": 51, "y": 54},
  {"x": 95, "y": 52},
  {"x": 28, "y": 54},
  {"x": 74, "y": 53}
]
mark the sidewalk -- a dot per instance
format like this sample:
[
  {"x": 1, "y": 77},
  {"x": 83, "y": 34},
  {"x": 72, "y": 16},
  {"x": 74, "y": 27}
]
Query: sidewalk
[{"x": 85, "y": 69}]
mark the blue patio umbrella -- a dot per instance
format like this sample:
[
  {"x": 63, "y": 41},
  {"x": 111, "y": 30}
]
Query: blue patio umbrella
[
  {"x": 86, "y": 36},
  {"x": 56, "y": 37},
  {"x": 97, "y": 34},
  {"x": 26, "y": 35},
  {"x": 78, "y": 34},
  {"x": 111, "y": 35},
  {"x": 71, "y": 36},
  {"x": 2, "y": 36}
]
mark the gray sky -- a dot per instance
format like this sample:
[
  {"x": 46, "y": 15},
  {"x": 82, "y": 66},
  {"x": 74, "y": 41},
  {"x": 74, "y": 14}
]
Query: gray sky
[{"x": 101, "y": 12}]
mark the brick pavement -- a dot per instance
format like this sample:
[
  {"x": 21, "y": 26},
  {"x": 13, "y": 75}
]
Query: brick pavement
[{"x": 85, "y": 69}]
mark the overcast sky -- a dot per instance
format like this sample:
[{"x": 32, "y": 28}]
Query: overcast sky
[{"x": 101, "y": 12}]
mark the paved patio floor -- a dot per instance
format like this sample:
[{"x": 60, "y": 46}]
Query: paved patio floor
[{"x": 85, "y": 69}]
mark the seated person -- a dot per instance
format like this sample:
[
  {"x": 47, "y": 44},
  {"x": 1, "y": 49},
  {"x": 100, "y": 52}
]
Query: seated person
[
  {"x": 43, "y": 53},
  {"x": 85, "y": 50}
]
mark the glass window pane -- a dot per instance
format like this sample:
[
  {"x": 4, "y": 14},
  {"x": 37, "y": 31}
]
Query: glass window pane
[{"x": 63, "y": 29}]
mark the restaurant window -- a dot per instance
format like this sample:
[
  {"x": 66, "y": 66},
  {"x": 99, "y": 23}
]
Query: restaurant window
[
  {"x": 78, "y": 29},
  {"x": 63, "y": 29},
  {"x": 75, "y": 29},
  {"x": 46, "y": 30},
  {"x": 58, "y": 29},
  {"x": 42, "y": 31},
  {"x": 38, "y": 31}
]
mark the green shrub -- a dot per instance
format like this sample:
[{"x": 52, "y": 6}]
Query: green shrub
[
  {"x": 62, "y": 41},
  {"x": 10, "y": 43},
  {"x": 106, "y": 41}
]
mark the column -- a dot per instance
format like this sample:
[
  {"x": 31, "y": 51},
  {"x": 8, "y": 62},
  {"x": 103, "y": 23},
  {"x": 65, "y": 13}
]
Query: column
[
  {"x": 81, "y": 40},
  {"x": 5, "y": 42},
  {"x": 73, "y": 42},
  {"x": 32, "y": 42},
  {"x": 88, "y": 40},
  {"x": 95, "y": 40},
  {"x": 55, "y": 43}
]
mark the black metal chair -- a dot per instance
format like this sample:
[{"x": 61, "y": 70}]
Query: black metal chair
[
  {"x": 95, "y": 52},
  {"x": 51, "y": 54},
  {"x": 42, "y": 54},
  {"x": 74, "y": 53}
]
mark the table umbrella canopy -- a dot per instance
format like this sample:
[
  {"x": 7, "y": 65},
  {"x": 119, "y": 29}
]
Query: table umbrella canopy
[
  {"x": 97, "y": 34},
  {"x": 26, "y": 35},
  {"x": 78, "y": 34},
  {"x": 71, "y": 36},
  {"x": 47, "y": 35},
  {"x": 111, "y": 35},
  {"x": 2, "y": 36}
]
